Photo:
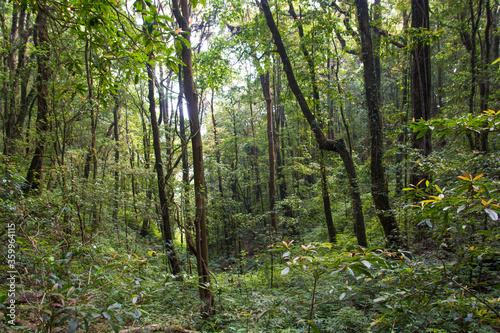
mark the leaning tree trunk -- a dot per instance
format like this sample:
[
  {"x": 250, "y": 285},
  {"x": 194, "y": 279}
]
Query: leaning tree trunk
[
  {"x": 332, "y": 233},
  {"x": 337, "y": 146},
  {"x": 42, "y": 42},
  {"x": 379, "y": 188},
  {"x": 182, "y": 16}
]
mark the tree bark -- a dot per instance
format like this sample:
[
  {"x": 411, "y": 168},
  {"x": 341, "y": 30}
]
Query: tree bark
[
  {"x": 266, "y": 90},
  {"x": 42, "y": 42},
  {"x": 117, "y": 155},
  {"x": 182, "y": 16},
  {"x": 165, "y": 214},
  {"x": 337, "y": 146},
  {"x": 10, "y": 90},
  {"x": 421, "y": 83},
  {"x": 332, "y": 232},
  {"x": 217, "y": 147},
  {"x": 379, "y": 188}
]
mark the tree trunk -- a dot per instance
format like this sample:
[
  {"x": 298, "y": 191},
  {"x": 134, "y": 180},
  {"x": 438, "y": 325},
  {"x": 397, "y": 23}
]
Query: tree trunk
[
  {"x": 337, "y": 146},
  {"x": 484, "y": 83},
  {"x": 279, "y": 125},
  {"x": 15, "y": 115},
  {"x": 217, "y": 147},
  {"x": 146, "y": 145},
  {"x": 117, "y": 155},
  {"x": 470, "y": 42},
  {"x": 402, "y": 137},
  {"x": 167, "y": 233},
  {"x": 198, "y": 168},
  {"x": 10, "y": 90},
  {"x": 332, "y": 232},
  {"x": 312, "y": 72},
  {"x": 421, "y": 84},
  {"x": 42, "y": 42},
  {"x": 255, "y": 155},
  {"x": 379, "y": 188},
  {"x": 266, "y": 90}
]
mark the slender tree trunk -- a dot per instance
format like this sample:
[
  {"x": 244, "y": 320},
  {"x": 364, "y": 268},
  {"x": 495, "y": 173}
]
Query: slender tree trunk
[
  {"x": 183, "y": 16},
  {"x": 117, "y": 156},
  {"x": 93, "y": 112},
  {"x": 470, "y": 42},
  {"x": 146, "y": 145},
  {"x": 15, "y": 112},
  {"x": 266, "y": 89},
  {"x": 402, "y": 137},
  {"x": 42, "y": 42},
  {"x": 324, "y": 143},
  {"x": 235, "y": 161},
  {"x": 484, "y": 84},
  {"x": 379, "y": 188},
  {"x": 255, "y": 155},
  {"x": 182, "y": 130},
  {"x": 165, "y": 214},
  {"x": 10, "y": 89},
  {"x": 312, "y": 72},
  {"x": 340, "y": 91},
  {"x": 421, "y": 84},
  {"x": 278, "y": 134},
  {"x": 332, "y": 232},
  {"x": 217, "y": 147}
]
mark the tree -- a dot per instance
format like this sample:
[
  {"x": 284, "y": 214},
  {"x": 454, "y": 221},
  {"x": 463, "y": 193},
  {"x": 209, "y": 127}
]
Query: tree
[
  {"x": 42, "y": 42},
  {"x": 337, "y": 146},
  {"x": 421, "y": 81},
  {"x": 266, "y": 89},
  {"x": 379, "y": 190},
  {"x": 182, "y": 15}
]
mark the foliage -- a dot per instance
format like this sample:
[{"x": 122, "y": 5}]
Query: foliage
[{"x": 89, "y": 248}]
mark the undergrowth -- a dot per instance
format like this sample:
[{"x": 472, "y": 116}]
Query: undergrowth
[{"x": 97, "y": 283}]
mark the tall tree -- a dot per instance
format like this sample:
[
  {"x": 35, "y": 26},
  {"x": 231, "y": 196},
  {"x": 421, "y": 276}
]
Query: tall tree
[
  {"x": 162, "y": 194},
  {"x": 182, "y": 15},
  {"x": 379, "y": 190},
  {"x": 332, "y": 233},
  {"x": 42, "y": 42},
  {"x": 337, "y": 146},
  {"x": 266, "y": 89},
  {"x": 420, "y": 81}
]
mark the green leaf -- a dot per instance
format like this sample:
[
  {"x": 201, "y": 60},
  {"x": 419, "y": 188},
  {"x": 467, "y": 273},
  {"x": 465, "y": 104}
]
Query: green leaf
[
  {"x": 115, "y": 305},
  {"x": 165, "y": 17},
  {"x": 137, "y": 314},
  {"x": 114, "y": 327},
  {"x": 493, "y": 215},
  {"x": 136, "y": 78},
  {"x": 314, "y": 328},
  {"x": 73, "y": 325},
  {"x": 461, "y": 208}
]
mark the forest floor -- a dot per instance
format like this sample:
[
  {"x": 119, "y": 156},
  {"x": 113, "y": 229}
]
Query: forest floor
[{"x": 284, "y": 288}]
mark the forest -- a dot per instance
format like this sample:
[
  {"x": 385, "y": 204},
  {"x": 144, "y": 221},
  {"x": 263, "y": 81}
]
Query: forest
[{"x": 250, "y": 166}]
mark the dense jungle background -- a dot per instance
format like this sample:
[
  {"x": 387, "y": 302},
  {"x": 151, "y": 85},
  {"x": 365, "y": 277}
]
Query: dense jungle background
[{"x": 249, "y": 166}]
